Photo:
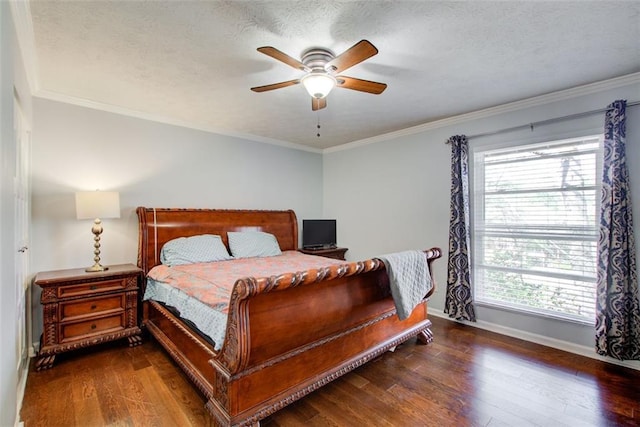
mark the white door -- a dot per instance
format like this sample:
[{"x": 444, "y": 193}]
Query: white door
[{"x": 22, "y": 214}]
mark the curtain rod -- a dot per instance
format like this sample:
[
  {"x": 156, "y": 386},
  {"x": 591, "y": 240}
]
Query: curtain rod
[{"x": 546, "y": 122}]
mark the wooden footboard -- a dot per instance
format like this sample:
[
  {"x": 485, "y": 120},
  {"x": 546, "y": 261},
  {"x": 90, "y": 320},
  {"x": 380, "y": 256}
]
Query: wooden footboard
[{"x": 288, "y": 335}]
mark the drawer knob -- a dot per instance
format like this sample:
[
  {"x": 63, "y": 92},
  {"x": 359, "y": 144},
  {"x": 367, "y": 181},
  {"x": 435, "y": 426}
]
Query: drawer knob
[
  {"x": 93, "y": 306},
  {"x": 93, "y": 326}
]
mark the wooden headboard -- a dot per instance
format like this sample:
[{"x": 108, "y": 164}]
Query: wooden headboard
[{"x": 156, "y": 226}]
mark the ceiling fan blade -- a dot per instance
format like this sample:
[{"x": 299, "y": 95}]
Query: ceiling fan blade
[
  {"x": 318, "y": 103},
  {"x": 275, "y": 86},
  {"x": 283, "y": 57},
  {"x": 361, "y": 85},
  {"x": 352, "y": 56}
]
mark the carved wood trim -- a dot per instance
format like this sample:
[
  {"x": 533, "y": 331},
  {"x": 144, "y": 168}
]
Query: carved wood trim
[
  {"x": 219, "y": 415},
  {"x": 425, "y": 337},
  {"x": 134, "y": 340},
  {"x": 221, "y": 390},
  {"x": 132, "y": 283},
  {"x": 131, "y": 309},
  {"x": 59, "y": 348},
  {"x": 50, "y": 320},
  {"x": 48, "y": 295},
  {"x": 45, "y": 362}
]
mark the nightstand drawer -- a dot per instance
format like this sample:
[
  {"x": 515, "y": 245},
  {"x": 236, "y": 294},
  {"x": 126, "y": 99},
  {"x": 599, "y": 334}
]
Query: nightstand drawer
[
  {"x": 90, "y": 307},
  {"x": 91, "y": 288},
  {"x": 77, "y": 330}
]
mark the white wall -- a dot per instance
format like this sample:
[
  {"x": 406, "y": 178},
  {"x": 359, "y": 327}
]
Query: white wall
[
  {"x": 393, "y": 195},
  {"x": 150, "y": 164}
]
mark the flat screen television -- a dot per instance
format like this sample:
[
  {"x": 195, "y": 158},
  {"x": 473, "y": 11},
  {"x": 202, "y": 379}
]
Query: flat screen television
[{"x": 318, "y": 233}]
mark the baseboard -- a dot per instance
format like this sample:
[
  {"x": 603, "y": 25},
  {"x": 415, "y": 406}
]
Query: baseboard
[
  {"x": 539, "y": 339},
  {"x": 22, "y": 386},
  {"x": 34, "y": 349}
]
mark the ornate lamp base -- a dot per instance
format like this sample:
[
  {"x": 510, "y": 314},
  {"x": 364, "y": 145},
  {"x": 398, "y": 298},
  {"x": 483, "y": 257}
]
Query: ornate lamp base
[
  {"x": 96, "y": 268},
  {"x": 97, "y": 230}
]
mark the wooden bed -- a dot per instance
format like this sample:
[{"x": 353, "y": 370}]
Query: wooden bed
[{"x": 286, "y": 336}]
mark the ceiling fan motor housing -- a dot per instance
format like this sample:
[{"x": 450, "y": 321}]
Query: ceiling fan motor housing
[{"x": 317, "y": 58}]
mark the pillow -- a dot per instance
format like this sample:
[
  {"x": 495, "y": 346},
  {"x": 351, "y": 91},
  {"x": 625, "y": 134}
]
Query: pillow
[
  {"x": 247, "y": 244},
  {"x": 190, "y": 250}
]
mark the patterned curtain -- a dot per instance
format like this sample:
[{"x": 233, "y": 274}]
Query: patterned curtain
[
  {"x": 459, "y": 300},
  {"x": 617, "y": 304}
]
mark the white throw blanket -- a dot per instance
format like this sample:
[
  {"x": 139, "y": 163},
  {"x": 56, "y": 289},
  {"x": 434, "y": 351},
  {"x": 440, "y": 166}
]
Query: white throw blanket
[{"x": 409, "y": 279}]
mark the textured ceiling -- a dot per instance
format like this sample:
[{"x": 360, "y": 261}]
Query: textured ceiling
[{"x": 193, "y": 62}]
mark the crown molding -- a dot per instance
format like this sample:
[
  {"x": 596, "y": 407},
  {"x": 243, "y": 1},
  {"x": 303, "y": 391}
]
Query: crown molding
[
  {"x": 82, "y": 102},
  {"x": 497, "y": 110},
  {"x": 449, "y": 121},
  {"x": 23, "y": 23}
]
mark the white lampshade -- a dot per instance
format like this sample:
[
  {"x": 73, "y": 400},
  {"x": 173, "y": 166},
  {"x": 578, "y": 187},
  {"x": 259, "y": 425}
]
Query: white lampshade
[
  {"x": 97, "y": 204},
  {"x": 318, "y": 84}
]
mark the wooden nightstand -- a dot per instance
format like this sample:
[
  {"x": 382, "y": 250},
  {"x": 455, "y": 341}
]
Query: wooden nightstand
[
  {"x": 81, "y": 309},
  {"x": 337, "y": 253}
]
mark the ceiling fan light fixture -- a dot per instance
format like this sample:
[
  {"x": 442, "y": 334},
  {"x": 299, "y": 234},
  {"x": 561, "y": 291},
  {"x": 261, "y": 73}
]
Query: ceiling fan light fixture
[{"x": 319, "y": 84}]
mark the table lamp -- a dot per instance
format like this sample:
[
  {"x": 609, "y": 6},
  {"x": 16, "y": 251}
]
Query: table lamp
[{"x": 96, "y": 205}]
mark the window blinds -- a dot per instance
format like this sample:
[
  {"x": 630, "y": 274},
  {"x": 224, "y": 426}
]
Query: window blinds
[{"x": 535, "y": 228}]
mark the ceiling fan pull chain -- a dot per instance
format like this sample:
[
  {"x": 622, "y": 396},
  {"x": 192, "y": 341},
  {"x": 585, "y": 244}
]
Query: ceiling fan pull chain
[{"x": 318, "y": 124}]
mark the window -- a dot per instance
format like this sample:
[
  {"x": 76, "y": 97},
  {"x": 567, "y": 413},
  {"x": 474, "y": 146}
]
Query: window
[{"x": 535, "y": 228}]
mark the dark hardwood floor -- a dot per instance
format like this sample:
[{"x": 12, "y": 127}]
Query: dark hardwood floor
[{"x": 466, "y": 377}]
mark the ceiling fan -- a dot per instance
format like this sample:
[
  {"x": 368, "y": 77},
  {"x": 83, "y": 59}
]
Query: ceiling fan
[{"x": 322, "y": 70}]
